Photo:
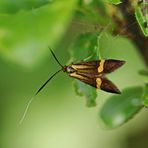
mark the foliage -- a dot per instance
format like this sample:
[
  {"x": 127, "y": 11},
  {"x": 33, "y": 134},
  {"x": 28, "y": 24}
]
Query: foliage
[
  {"x": 115, "y": 1},
  {"x": 24, "y": 34},
  {"x": 28, "y": 27},
  {"x": 141, "y": 19},
  {"x": 145, "y": 96},
  {"x": 120, "y": 108}
]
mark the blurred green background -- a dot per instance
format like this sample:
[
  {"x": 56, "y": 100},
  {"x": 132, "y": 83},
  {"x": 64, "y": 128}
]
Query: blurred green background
[{"x": 58, "y": 117}]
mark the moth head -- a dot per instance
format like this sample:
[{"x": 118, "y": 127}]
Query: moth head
[{"x": 69, "y": 69}]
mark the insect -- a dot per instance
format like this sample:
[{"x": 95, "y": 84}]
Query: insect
[{"x": 92, "y": 73}]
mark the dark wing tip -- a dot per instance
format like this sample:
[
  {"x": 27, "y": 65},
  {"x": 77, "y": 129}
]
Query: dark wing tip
[
  {"x": 113, "y": 89},
  {"x": 111, "y": 65},
  {"x": 109, "y": 86},
  {"x": 120, "y": 63},
  {"x": 117, "y": 91},
  {"x": 117, "y": 63}
]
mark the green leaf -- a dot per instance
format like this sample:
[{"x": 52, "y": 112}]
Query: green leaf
[
  {"x": 115, "y": 1},
  {"x": 25, "y": 36},
  {"x": 118, "y": 109},
  {"x": 145, "y": 97},
  {"x": 85, "y": 46},
  {"x": 11, "y": 6},
  {"x": 85, "y": 90},
  {"x": 87, "y": 12},
  {"x": 144, "y": 73},
  {"x": 141, "y": 19}
]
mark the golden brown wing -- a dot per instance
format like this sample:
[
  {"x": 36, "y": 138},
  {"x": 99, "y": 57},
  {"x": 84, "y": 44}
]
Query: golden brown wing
[
  {"x": 84, "y": 78},
  {"x": 99, "y": 82},
  {"x": 93, "y": 73},
  {"x": 98, "y": 67}
]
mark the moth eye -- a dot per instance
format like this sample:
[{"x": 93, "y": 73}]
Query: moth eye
[{"x": 70, "y": 69}]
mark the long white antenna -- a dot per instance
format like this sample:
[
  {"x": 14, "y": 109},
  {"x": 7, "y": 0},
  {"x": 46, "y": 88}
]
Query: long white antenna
[
  {"x": 32, "y": 98},
  {"x": 26, "y": 110}
]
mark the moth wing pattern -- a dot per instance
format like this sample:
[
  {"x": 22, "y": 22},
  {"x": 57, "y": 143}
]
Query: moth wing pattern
[
  {"x": 99, "y": 82},
  {"x": 111, "y": 65},
  {"x": 93, "y": 73},
  {"x": 109, "y": 86},
  {"x": 87, "y": 67},
  {"x": 84, "y": 78},
  {"x": 98, "y": 66},
  {"x": 86, "y": 72}
]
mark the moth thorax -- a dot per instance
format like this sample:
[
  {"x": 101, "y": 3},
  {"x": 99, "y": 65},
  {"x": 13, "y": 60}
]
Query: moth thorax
[{"x": 69, "y": 69}]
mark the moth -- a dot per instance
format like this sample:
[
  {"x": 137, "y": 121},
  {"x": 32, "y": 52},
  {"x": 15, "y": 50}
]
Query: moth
[{"x": 92, "y": 73}]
